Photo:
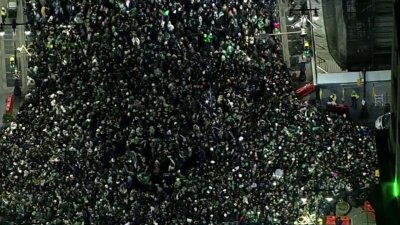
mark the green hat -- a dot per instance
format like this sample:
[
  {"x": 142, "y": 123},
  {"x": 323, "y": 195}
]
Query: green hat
[{"x": 166, "y": 13}]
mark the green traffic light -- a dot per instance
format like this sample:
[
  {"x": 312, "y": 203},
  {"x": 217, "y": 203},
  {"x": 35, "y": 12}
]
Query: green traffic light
[{"x": 396, "y": 191}]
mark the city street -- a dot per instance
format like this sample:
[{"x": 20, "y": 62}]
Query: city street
[{"x": 181, "y": 112}]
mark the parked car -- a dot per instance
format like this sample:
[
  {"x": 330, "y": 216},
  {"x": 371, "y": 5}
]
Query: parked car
[{"x": 383, "y": 122}]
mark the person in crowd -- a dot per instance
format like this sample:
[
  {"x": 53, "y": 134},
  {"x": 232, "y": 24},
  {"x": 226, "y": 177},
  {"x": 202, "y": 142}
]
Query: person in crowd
[{"x": 354, "y": 99}]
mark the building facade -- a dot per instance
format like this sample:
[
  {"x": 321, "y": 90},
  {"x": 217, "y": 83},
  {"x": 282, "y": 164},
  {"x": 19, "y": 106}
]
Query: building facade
[
  {"x": 386, "y": 196},
  {"x": 359, "y": 33}
]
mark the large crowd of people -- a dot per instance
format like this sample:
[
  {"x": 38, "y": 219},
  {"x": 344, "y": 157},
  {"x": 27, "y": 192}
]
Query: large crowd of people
[{"x": 169, "y": 112}]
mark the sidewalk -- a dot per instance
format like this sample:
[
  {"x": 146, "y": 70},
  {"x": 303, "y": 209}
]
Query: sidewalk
[{"x": 343, "y": 93}]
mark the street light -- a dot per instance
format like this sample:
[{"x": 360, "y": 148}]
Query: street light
[{"x": 329, "y": 199}]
